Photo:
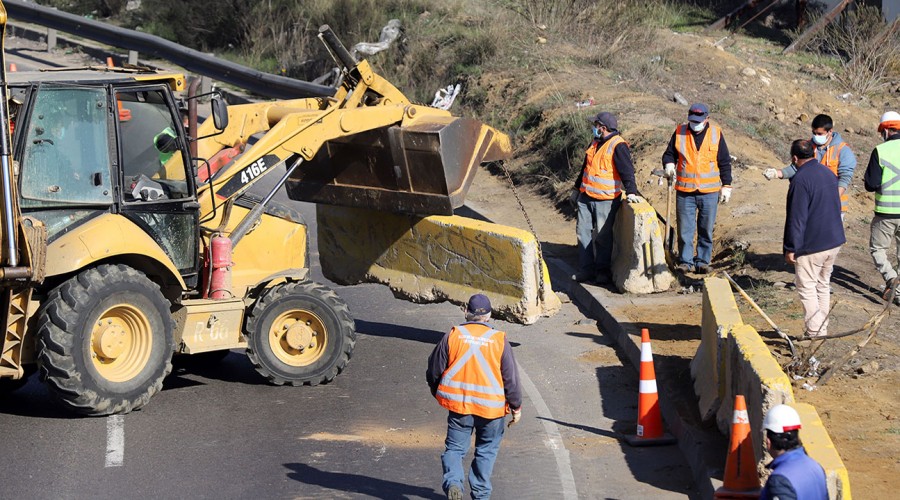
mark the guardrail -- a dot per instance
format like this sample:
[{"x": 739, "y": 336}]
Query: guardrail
[{"x": 258, "y": 82}]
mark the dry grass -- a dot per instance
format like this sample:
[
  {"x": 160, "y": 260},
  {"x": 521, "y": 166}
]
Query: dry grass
[{"x": 868, "y": 50}]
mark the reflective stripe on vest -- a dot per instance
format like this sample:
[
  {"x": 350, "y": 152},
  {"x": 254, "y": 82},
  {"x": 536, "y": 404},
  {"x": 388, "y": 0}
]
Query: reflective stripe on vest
[
  {"x": 601, "y": 179},
  {"x": 887, "y": 198},
  {"x": 472, "y": 384},
  {"x": 698, "y": 170},
  {"x": 831, "y": 158}
]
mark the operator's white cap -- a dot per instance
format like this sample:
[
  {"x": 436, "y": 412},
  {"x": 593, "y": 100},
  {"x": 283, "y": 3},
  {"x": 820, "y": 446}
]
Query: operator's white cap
[
  {"x": 889, "y": 120},
  {"x": 782, "y": 418}
]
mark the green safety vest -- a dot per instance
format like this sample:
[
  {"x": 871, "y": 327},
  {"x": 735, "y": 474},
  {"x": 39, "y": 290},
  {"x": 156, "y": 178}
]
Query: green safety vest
[
  {"x": 164, "y": 155},
  {"x": 887, "y": 198}
]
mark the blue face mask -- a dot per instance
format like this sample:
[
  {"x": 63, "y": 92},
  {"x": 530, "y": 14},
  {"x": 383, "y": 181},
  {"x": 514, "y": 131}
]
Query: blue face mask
[{"x": 597, "y": 133}]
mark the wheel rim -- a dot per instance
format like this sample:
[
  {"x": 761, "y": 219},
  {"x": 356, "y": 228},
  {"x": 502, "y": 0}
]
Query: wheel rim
[
  {"x": 298, "y": 337},
  {"x": 121, "y": 342}
]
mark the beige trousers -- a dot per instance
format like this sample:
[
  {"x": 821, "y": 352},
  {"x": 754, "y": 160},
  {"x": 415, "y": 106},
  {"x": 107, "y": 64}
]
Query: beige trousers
[{"x": 813, "y": 277}]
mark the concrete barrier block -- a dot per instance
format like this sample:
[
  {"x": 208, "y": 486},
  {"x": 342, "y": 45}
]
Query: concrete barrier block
[
  {"x": 720, "y": 315},
  {"x": 639, "y": 259},
  {"x": 437, "y": 258},
  {"x": 752, "y": 371},
  {"x": 819, "y": 446}
]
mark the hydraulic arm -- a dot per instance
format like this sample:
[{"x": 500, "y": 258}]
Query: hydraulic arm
[{"x": 366, "y": 146}]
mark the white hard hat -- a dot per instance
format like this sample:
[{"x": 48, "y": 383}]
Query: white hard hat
[
  {"x": 782, "y": 418},
  {"x": 891, "y": 120}
]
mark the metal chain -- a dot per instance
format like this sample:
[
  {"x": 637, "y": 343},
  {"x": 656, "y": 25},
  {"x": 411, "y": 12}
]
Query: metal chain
[{"x": 530, "y": 228}]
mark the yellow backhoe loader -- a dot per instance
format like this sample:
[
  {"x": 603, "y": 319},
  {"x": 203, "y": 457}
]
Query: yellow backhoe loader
[{"x": 128, "y": 237}]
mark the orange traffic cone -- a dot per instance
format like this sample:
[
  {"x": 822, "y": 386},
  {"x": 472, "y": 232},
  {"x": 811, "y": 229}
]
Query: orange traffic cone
[
  {"x": 13, "y": 68},
  {"x": 110, "y": 63},
  {"x": 741, "y": 478},
  {"x": 650, "y": 426}
]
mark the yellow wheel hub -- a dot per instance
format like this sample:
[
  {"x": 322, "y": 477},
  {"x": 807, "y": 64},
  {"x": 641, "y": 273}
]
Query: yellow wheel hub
[
  {"x": 298, "y": 337},
  {"x": 121, "y": 341}
]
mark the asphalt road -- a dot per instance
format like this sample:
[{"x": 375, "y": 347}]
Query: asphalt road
[{"x": 219, "y": 431}]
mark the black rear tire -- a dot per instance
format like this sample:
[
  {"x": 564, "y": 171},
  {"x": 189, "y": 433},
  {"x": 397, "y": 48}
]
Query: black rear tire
[
  {"x": 290, "y": 314},
  {"x": 110, "y": 305}
]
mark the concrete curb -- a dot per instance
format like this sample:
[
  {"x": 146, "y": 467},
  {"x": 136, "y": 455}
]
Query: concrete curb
[{"x": 689, "y": 441}]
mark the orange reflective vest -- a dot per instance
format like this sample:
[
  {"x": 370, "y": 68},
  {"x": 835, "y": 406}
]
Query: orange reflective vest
[
  {"x": 831, "y": 159},
  {"x": 697, "y": 169},
  {"x": 472, "y": 384},
  {"x": 600, "y": 179}
]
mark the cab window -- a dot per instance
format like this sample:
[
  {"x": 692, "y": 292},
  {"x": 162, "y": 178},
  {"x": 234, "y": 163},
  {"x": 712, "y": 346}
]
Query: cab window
[
  {"x": 153, "y": 165},
  {"x": 66, "y": 157}
]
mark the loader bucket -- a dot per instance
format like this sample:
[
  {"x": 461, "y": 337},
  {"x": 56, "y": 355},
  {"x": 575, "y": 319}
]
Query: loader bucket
[{"x": 422, "y": 169}]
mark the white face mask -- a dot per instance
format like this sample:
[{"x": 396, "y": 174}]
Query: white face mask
[
  {"x": 820, "y": 139},
  {"x": 697, "y": 127}
]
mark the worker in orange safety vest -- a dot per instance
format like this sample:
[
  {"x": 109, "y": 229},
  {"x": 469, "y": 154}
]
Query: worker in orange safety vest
[
  {"x": 831, "y": 151},
  {"x": 697, "y": 159},
  {"x": 472, "y": 373},
  {"x": 607, "y": 172}
]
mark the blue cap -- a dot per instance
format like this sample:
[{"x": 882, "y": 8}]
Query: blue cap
[
  {"x": 479, "y": 304},
  {"x": 698, "y": 112}
]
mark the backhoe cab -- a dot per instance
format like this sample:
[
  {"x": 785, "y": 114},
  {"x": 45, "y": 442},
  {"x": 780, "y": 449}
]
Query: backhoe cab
[{"x": 127, "y": 238}]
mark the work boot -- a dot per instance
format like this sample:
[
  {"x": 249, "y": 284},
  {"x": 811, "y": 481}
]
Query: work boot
[
  {"x": 684, "y": 267},
  {"x": 455, "y": 493},
  {"x": 891, "y": 283},
  {"x": 702, "y": 268}
]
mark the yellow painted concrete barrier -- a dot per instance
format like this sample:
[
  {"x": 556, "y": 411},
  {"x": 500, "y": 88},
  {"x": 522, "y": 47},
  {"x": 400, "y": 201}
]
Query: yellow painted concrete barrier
[
  {"x": 720, "y": 315},
  {"x": 734, "y": 355},
  {"x": 819, "y": 446},
  {"x": 437, "y": 258},
  {"x": 639, "y": 259},
  {"x": 751, "y": 370}
]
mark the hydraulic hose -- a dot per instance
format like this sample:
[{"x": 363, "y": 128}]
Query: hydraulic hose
[{"x": 9, "y": 223}]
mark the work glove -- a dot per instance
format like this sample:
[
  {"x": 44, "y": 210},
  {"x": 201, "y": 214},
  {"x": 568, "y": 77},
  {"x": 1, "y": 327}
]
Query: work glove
[
  {"x": 573, "y": 198},
  {"x": 514, "y": 415},
  {"x": 725, "y": 194},
  {"x": 633, "y": 198},
  {"x": 670, "y": 170},
  {"x": 770, "y": 173}
]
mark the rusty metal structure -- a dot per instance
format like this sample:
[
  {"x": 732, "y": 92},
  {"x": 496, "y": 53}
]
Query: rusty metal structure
[{"x": 890, "y": 9}]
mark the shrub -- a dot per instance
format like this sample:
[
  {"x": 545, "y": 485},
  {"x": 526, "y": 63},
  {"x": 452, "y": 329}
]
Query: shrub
[
  {"x": 205, "y": 25},
  {"x": 100, "y": 8},
  {"x": 868, "y": 50},
  {"x": 559, "y": 146}
]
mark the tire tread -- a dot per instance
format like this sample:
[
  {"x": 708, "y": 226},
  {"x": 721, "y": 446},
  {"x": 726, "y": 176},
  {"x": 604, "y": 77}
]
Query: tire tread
[
  {"x": 346, "y": 327},
  {"x": 57, "y": 342}
]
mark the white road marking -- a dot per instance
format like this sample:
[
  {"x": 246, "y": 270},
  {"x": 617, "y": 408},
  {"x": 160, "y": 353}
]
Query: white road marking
[
  {"x": 115, "y": 440},
  {"x": 554, "y": 438}
]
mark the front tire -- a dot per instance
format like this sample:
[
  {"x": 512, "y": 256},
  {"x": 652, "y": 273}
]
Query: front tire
[
  {"x": 105, "y": 340},
  {"x": 300, "y": 333}
]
